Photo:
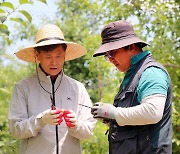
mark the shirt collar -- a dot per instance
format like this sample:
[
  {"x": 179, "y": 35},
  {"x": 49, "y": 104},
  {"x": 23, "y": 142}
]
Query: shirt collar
[
  {"x": 44, "y": 77},
  {"x": 135, "y": 59}
]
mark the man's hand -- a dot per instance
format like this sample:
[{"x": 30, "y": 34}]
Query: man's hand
[
  {"x": 52, "y": 117},
  {"x": 103, "y": 110},
  {"x": 70, "y": 118}
]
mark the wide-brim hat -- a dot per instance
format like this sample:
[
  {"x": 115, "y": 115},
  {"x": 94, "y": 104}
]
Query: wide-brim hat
[
  {"x": 51, "y": 34},
  {"x": 116, "y": 35}
]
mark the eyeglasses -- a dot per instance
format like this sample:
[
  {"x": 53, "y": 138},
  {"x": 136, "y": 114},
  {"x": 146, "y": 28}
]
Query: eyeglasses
[{"x": 110, "y": 54}]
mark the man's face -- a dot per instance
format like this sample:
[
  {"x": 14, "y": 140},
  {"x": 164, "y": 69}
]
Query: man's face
[
  {"x": 121, "y": 59},
  {"x": 52, "y": 62}
]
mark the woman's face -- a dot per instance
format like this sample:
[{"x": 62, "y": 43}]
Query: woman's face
[{"x": 52, "y": 61}]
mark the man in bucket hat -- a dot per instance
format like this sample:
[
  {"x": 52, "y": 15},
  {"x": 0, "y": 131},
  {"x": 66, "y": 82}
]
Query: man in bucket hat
[
  {"x": 140, "y": 117},
  {"x": 44, "y": 111}
]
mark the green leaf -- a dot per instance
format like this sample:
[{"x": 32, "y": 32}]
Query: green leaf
[
  {"x": 7, "y": 4},
  {"x": 43, "y": 1},
  {"x": 23, "y": 1},
  {"x": 1, "y": 143},
  {"x": 4, "y": 90},
  {"x": 19, "y": 20},
  {"x": 2, "y": 18},
  {"x": 4, "y": 29},
  {"x": 2, "y": 11},
  {"x": 8, "y": 41},
  {"x": 26, "y": 14}
]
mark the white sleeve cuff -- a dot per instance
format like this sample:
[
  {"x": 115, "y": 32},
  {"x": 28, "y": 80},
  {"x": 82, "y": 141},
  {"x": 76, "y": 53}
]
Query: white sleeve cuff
[{"x": 38, "y": 121}]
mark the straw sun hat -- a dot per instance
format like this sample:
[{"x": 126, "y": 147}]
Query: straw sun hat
[{"x": 47, "y": 35}]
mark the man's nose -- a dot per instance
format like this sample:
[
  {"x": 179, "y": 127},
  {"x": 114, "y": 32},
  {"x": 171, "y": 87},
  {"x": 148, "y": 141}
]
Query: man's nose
[{"x": 54, "y": 61}]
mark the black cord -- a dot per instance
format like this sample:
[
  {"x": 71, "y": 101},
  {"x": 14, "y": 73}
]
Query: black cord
[{"x": 54, "y": 104}]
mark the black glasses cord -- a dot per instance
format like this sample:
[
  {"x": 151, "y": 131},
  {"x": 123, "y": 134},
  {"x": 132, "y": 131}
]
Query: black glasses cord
[
  {"x": 43, "y": 87},
  {"x": 52, "y": 95}
]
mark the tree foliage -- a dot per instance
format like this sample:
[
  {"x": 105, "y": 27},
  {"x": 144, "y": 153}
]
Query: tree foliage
[
  {"x": 9, "y": 76},
  {"x": 156, "y": 21}
]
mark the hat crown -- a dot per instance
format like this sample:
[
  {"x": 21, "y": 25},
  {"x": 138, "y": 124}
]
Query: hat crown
[
  {"x": 117, "y": 30},
  {"x": 49, "y": 31}
]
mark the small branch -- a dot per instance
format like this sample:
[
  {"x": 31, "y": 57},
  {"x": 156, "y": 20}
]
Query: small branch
[
  {"x": 93, "y": 23},
  {"x": 171, "y": 65},
  {"x": 9, "y": 13}
]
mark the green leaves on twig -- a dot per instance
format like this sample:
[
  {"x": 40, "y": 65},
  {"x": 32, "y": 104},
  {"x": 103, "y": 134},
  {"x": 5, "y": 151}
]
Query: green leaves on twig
[{"x": 22, "y": 16}]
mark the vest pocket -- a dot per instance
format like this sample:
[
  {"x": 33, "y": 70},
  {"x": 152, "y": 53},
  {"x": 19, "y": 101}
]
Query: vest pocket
[
  {"x": 129, "y": 140},
  {"x": 122, "y": 139},
  {"x": 124, "y": 99},
  {"x": 124, "y": 145},
  {"x": 121, "y": 133}
]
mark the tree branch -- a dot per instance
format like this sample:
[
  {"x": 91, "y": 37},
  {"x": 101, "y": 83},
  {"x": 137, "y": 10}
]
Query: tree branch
[{"x": 171, "y": 65}]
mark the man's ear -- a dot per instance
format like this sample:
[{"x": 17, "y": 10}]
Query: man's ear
[
  {"x": 36, "y": 54},
  {"x": 132, "y": 47}
]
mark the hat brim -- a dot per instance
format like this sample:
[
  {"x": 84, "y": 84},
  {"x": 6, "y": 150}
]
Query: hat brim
[
  {"x": 118, "y": 44},
  {"x": 73, "y": 50}
]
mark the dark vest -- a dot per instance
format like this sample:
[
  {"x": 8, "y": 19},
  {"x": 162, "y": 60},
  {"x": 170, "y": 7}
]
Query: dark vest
[{"x": 144, "y": 139}]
